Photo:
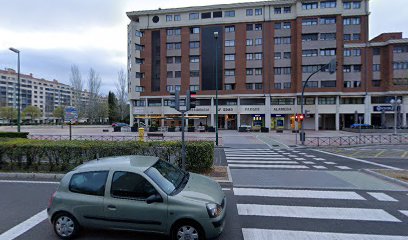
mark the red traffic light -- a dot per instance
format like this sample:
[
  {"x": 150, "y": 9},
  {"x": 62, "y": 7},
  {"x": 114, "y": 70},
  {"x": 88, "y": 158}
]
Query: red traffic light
[{"x": 301, "y": 117}]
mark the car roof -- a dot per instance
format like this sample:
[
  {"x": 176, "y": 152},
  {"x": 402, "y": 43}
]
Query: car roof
[{"x": 134, "y": 162}]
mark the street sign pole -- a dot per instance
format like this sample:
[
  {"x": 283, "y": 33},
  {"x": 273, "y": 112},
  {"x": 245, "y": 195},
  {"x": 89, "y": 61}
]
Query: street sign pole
[
  {"x": 70, "y": 131},
  {"x": 183, "y": 144}
]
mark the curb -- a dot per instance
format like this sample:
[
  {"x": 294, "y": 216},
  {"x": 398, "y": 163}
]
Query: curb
[
  {"x": 39, "y": 176},
  {"x": 385, "y": 178}
]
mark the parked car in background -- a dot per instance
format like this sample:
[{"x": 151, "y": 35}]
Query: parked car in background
[
  {"x": 362, "y": 126},
  {"x": 120, "y": 125},
  {"x": 138, "y": 193}
]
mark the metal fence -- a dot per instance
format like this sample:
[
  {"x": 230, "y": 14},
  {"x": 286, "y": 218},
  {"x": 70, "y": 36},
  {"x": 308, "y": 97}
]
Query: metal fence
[
  {"x": 118, "y": 138},
  {"x": 356, "y": 140}
]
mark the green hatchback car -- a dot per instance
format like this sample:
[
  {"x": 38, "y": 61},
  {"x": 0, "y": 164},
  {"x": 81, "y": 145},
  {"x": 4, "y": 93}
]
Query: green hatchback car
[{"x": 138, "y": 193}]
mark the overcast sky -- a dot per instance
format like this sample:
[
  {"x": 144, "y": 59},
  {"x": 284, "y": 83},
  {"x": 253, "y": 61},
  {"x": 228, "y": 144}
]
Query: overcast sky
[{"x": 54, "y": 34}]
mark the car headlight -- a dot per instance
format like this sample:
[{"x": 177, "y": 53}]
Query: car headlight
[{"x": 214, "y": 210}]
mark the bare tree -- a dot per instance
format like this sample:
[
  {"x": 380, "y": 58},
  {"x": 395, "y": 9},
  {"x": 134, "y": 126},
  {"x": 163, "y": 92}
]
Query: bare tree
[
  {"x": 77, "y": 85},
  {"x": 122, "y": 94},
  {"x": 94, "y": 87}
]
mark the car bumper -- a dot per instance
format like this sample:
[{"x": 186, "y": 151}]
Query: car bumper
[{"x": 215, "y": 226}]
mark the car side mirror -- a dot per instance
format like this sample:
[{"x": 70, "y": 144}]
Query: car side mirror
[{"x": 154, "y": 198}]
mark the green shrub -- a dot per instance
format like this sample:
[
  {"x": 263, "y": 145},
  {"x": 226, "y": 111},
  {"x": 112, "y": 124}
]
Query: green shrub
[
  {"x": 13, "y": 134},
  {"x": 62, "y": 156}
]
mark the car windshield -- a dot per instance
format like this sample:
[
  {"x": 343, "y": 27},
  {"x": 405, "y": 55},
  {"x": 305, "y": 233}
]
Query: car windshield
[{"x": 167, "y": 176}]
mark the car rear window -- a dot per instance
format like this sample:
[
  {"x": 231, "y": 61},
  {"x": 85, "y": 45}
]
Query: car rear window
[{"x": 90, "y": 183}]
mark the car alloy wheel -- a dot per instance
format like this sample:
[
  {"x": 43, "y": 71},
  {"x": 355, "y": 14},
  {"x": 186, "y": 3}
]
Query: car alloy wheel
[
  {"x": 187, "y": 232},
  {"x": 65, "y": 226}
]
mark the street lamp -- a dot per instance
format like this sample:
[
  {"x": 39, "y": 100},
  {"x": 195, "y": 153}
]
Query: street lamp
[
  {"x": 395, "y": 105},
  {"x": 216, "y": 88},
  {"x": 331, "y": 66},
  {"x": 18, "y": 86}
]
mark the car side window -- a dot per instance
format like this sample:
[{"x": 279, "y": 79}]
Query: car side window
[
  {"x": 131, "y": 185},
  {"x": 90, "y": 183}
]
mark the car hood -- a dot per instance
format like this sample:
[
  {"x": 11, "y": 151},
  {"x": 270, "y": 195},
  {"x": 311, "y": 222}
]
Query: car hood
[{"x": 203, "y": 189}]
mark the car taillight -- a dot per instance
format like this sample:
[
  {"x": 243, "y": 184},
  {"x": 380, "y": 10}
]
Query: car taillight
[{"x": 51, "y": 199}]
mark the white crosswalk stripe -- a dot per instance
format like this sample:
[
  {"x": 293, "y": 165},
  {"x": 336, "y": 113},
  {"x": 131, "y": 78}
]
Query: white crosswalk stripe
[
  {"x": 267, "y": 166},
  {"x": 382, "y": 197},
  {"x": 263, "y": 162}
]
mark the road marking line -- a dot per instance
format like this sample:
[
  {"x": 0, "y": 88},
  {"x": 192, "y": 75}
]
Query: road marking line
[
  {"x": 404, "y": 154},
  {"x": 21, "y": 181},
  {"x": 269, "y": 234},
  {"x": 258, "y": 158},
  {"x": 308, "y": 162},
  {"x": 343, "y": 167},
  {"x": 405, "y": 212},
  {"x": 300, "y": 159},
  {"x": 354, "y": 153},
  {"x": 267, "y": 166},
  {"x": 288, "y": 193},
  {"x": 330, "y": 163},
  {"x": 24, "y": 226},
  {"x": 320, "y": 167},
  {"x": 302, "y": 153},
  {"x": 319, "y": 159},
  {"x": 226, "y": 189},
  {"x": 382, "y": 197},
  {"x": 257, "y": 136},
  {"x": 293, "y": 156},
  {"x": 359, "y": 160},
  {"x": 274, "y": 162},
  {"x": 379, "y": 154},
  {"x": 361, "y": 214},
  {"x": 312, "y": 156},
  {"x": 295, "y": 151},
  {"x": 247, "y": 149}
]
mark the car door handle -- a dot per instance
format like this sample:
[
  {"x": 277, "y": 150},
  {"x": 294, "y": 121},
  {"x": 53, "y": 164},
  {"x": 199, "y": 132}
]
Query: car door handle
[{"x": 111, "y": 207}]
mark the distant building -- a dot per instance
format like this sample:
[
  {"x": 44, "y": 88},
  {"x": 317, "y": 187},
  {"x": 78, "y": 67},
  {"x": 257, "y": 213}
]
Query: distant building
[{"x": 266, "y": 52}]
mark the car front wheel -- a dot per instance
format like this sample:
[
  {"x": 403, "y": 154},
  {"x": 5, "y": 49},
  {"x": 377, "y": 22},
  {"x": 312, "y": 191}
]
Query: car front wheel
[
  {"x": 187, "y": 231},
  {"x": 65, "y": 226}
]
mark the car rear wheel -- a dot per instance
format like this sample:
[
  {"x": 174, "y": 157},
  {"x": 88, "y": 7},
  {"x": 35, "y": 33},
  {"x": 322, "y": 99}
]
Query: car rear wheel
[
  {"x": 187, "y": 231},
  {"x": 65, "y": 226}
]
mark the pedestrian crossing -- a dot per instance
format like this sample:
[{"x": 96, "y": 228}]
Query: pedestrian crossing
[
  {"x": 264, "y": 158},
  {"x": 299, "y": 214}
]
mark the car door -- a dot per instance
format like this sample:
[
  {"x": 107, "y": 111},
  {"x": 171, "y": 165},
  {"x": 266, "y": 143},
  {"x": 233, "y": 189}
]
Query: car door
[{"x": 126, "y": 206}]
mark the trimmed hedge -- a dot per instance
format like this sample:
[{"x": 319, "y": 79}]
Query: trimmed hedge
[
  {"x": 62, "y": 156},
  {"x": 13, "y": 134}
]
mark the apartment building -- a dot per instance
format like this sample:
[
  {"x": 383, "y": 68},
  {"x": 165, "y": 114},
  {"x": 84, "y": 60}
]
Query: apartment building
[{"x": 260, "y": 54}]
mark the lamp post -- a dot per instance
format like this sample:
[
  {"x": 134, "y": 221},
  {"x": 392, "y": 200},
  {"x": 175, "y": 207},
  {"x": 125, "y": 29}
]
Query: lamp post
[
  {"x": 332, "y": 65},
  {"x": 18, "y": 86},
  {"x": 216, "y": 88},
  {"x": 395, "y": 105}
]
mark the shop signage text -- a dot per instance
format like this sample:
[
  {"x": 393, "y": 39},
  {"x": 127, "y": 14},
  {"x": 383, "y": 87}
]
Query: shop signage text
[
  {"x": 282, "y": 109},
  {"x": 383, "y": 108}
]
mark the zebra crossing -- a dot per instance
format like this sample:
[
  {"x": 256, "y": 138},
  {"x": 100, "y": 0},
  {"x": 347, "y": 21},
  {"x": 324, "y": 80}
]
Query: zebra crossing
[
  {"x": 263, "y": 158},
  {"x": 298, "y": 214}
]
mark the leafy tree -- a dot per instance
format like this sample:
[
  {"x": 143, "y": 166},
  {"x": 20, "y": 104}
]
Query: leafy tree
[
  {"x": 94, "y": 86},
  {"x": 112, "y": 107},
  {"x": 59, "y": 113},
  {"x": 8, "y": 113},
  {"x": 31, "y": 112}
]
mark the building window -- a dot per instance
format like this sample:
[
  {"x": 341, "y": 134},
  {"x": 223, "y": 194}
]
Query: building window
[
  {"x": 258, "y": 41},
  {"x": 286, "y": 55},
  {"x": 177, "y": 18},
  {"x": 258, "y": 86},
  {"x": 258, "y": 27},
  {"x": 194, "y": 30},
  {"x": 400, "y": 81},
  {"x": 310, "y": 37},
  {"x": 278, "y": 55},
  {"x": 400, "y": 65},
  {"x": 139, "y": 89},
  {"x": 249, "y": 42},
  {"x": 249, "y": 86},
  {"x": 347, "y": 5},
  {"x": 230, "y": 29},
  {"x": 356, "y": 5},
  {"x": 169, "y": 74},
  {"x": 287, "y": 85},
  {"x": 310, "y": 5},
  {"x": 249, "y": 71},
  {"x": 249, "y": 56},
  {"x": 229, "y": 86},
  {"x": 194, "y": 73},
  {"x": 312, "y": 84},
  {"x": 328, "y": 36},
  {"x": 376, "y": 83},
  {"x": 351, "y": 21},
  {"x": 139, "y": 33},
  {"x": 327, "y": 100},
  {"x": 286, "y": 25},
  {"x": 229, "y": 13},
  {"x": 398, "y": 49},
  {"x": 347, "y": 37},
  {"x": 229, "y": 57},
  {"x": 170, "y": 88},
  {"x": 376, "y": 67},
  {"x": 357, "y": 84},
  {"x": 278, "y": 25},
  {"x": 230, "y": 43},
  {"x": 328, "y": 4},
  {"x": 346, "y": 68},
  {"x": 282, "y": 70},
  {"x": 169, "y": 18},
  {"x": 195, "y": 44},
  {"x": 206, "y": 15},
  {"x": 357, "y": 68},
  {"x": 282, "y": 40},
  {"x": 310, "y": 53},
  {"x": 177, "y": 74},
  {"x": 194, "y": 16},
  {"x": 258, "y": 71},
  {"x": 327, "y": 20},
  {"x": 139, "y": 47},
  {"x": 328, "y": 84},
  {"x": 249, "y": 12},
  {"x": 277, "y": 86},
  {"x": 283, "y": 101},
  {"x": 356, "y": 36},
  {"x": 352, "y": 100},
  {"x": 140, "y": 75},
  {"x": 217, "y": 14},
  {"x": 194, "y": 59},
  {"x": 229, "y": 72},
  {"x": 177, "y": 45},
  {"x": 277, "y": 10},
  {"x": 177, "y": 87},
  {"x": 177, "y": 59},
  {"x": 258, "y": 56},
  {"x": 195, "y": 88},
  {"x": 139, "y": 60},
  {"x": 310, "y": 68},
  {"x": 258, "y": 11},
  {"x": 352, "y": 52},
  {"x": 328, "y": 52},
  {"x": 249, "y": 27},
  {"x": 309, "y": 21},
  {"x": 287, "y": 9}
]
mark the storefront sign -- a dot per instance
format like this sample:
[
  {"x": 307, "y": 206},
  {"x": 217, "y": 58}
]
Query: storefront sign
[
  {"x": 383, "y": 108},
  {"x": 282, "y": 109},
  {"x": 200, "y": 109},
  {"x": 139, "y": 110},
  {"x": 251, "y": 109},
  {"x": 278, "y": 115}
]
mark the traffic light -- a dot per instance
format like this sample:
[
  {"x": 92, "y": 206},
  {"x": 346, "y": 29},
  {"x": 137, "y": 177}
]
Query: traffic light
[
  {"x": 191, "y": 100},
  {"x": 301, "y": 117},
  {"x": 297, "y": 117},
  {"x": 176, "y": 100}
]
